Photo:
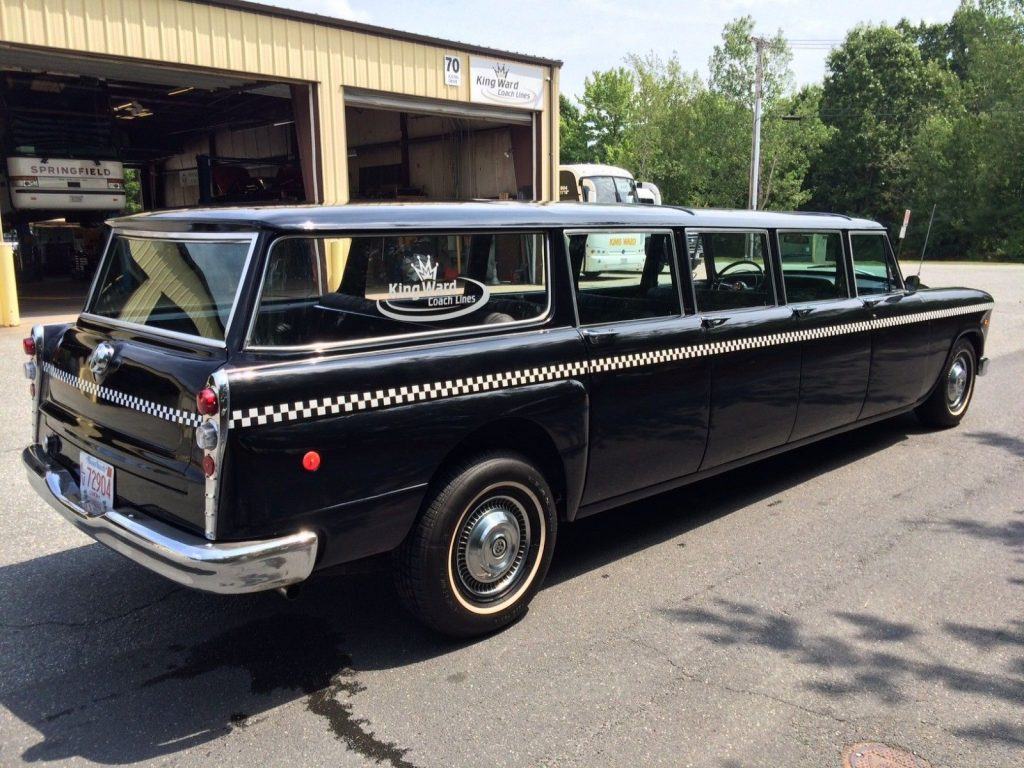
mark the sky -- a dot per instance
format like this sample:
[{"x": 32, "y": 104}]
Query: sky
[{"x": 597, "y": 34}]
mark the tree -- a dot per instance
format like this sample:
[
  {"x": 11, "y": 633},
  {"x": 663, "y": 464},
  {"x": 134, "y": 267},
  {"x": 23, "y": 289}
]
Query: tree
[
  {"x": 608, "y": 102},
  {"x": 733, "y": 64},
  {"x": 878, "y": 92},
  {"x": 572, "y": 133}
]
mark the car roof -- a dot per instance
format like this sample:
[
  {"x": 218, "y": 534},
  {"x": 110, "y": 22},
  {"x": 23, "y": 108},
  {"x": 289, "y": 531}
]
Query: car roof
[
  {"x": 596, "y": 169},
  {"x": 474, "y": 215}
]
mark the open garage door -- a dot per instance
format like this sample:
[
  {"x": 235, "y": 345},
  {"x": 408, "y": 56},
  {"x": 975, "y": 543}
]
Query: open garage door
[
  {"x": 410, "y": 149},
  {"x": 85, "y": 138}
]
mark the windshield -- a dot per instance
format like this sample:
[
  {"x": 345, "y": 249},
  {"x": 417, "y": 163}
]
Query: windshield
[
  {"x": 180, "y": 285},
  {"x": 609, "y": 189}
]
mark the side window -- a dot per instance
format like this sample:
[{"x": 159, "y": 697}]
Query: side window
[
  {"x": 334, "y": 290},
  {"x": 625, "y": 189},
  {"x": 874, "y": 266},
  {"x": 731, "y": 270},
  {"x": 623, "y": 276},
  {"x": 812, "y": 266}
]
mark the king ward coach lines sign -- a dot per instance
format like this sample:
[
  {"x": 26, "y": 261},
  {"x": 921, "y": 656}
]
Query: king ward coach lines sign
[{"x": 492, "y": 81}]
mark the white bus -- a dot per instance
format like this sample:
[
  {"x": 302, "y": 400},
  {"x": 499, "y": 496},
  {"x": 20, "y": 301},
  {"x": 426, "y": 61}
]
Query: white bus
[
  {"x": 593, "y": 183},
  {"x": 59, "y": 145}
]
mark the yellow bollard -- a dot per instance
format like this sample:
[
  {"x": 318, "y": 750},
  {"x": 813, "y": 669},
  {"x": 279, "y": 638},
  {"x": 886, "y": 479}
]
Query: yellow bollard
[{"x": 8, "y": 287}]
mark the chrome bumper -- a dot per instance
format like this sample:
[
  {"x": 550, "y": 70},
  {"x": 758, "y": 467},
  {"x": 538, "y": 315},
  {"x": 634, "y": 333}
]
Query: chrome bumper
[
  {"x": 230, "y": 567},
  {"x": 983, "y": 366}
]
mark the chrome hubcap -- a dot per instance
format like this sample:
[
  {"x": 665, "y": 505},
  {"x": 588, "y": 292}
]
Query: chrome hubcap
[
  {"x": 492, "y": 545},
  {"x": 957, "y": 381}
]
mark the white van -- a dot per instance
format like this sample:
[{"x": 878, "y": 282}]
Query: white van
[{"x": 594, "y": 183}]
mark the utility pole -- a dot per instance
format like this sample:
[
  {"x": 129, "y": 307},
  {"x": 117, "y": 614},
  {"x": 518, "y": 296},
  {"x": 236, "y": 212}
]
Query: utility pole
[{"x": 755, "y": 160}]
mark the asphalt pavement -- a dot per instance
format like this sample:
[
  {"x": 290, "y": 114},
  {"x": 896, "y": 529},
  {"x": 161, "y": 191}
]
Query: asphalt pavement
[{"x": 867, "y": 588}]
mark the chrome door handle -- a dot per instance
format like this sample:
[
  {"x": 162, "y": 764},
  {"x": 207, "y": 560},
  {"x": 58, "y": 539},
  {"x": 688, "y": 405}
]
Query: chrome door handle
[
  {"x": 802, "y": 311},
  {"x": 871, "y": 303},
  {"x": 713, "y": 322},
  {"x": 600, "y": 338}
]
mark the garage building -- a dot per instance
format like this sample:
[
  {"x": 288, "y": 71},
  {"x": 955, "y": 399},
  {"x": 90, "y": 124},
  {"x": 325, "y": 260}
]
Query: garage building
[{"x": 218, "y": 102}]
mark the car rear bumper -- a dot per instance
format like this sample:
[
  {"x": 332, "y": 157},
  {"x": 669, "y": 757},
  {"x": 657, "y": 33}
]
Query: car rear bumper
[
  {"x": 232, "y": 567},
  {"x": 983, "y": 366}
]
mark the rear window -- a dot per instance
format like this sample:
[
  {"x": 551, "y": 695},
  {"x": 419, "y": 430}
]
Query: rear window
[
  {"x": 321, "y": 291},
  {"x": 182, "y": 286}
]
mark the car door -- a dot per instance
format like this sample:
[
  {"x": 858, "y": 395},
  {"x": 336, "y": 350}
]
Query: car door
[
  {"x": 900, "y": 338},
  {"x": 648, "y": 383},
  {"x": 755, "y": 375},
  {"x": 836, "y": 348}
]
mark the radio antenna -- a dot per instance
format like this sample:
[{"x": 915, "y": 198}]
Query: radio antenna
[{"x": 927, "y": 235}]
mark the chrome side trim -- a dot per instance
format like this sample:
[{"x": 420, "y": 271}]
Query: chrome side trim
[
  {"x": 233, "y": 567},
  {"x": 219, "y": 383},
  {"x": 335, "y": 404},
  {"x": 38, "y": 335}
]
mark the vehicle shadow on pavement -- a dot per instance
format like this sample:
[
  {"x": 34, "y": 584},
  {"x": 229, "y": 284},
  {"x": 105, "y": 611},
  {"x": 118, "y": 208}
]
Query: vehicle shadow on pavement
[
  {"x": 595, "y": 541},
  {"x": 113, "y": 664}
]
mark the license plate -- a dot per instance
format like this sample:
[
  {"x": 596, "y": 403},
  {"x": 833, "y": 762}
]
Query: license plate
[{"x": 97, "y": 486}]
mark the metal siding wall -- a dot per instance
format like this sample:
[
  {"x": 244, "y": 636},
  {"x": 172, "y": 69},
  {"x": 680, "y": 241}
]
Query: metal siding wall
[{"x": 194, "y": 34}]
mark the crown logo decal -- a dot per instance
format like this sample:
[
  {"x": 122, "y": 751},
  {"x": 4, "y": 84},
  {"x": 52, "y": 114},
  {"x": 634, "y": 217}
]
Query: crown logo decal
[
  {"x": 424, "y": 268},
  {"x": 501, "y": 71}
]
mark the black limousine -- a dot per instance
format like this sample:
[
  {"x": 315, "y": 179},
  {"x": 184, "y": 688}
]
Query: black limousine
[{"x": 252, "y": 395}]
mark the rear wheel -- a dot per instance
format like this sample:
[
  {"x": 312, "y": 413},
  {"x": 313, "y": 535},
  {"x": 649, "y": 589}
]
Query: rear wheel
[
  {"x": 481, "y": 549},
  {"x": 948, "y": 403}
]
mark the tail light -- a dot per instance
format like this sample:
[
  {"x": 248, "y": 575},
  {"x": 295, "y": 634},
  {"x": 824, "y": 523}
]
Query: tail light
[
  {"x": 206, "y": 402},
  {"x": 29, "y": 345},
  {"x": 207, "y": 435},
  {"x": 209, "y": 465},
  {"x": 115, "y": 184}
]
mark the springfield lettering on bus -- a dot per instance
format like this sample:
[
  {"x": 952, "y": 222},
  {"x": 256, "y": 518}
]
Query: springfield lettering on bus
[{"x": 68, "y": 170}]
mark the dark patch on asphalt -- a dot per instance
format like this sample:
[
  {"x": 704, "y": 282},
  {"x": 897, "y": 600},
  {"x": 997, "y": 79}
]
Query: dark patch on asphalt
[
  {"x": 293, "y": 652},
  {"x": 774, "y": 503},
  {"x": 239, "y": 720},
  {"x": 57, "y": 715},
  {"x": 333, "y": 704},
  {"x": 457, "y": 677}
]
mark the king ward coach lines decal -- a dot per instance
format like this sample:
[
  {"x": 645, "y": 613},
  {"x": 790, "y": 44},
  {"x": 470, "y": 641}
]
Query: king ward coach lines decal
[{"x": 383, "y": 398}]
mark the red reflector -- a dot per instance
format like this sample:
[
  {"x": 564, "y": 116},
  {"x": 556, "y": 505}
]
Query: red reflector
[
  {"x": 311, "y": 461},
  {"x": 206, "y": 402},
  {"x": 29, "y": 345},
  {"x": 32, "y": 389},
  {"x": 209, "y": 465}
]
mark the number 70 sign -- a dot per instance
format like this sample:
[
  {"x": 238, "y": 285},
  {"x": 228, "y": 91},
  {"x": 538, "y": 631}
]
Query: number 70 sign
[{"x": 452, "y": 71}]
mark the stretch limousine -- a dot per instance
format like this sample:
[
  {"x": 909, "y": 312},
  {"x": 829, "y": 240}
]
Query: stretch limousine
[{"x": 252, "y": 395}]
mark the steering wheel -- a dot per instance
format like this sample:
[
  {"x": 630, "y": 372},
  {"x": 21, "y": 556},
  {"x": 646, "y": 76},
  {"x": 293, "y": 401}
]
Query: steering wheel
[{"x": 739, "y": 285}]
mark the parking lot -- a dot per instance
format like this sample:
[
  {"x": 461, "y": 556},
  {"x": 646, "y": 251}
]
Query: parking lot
[{"x": 868, "y": 588}]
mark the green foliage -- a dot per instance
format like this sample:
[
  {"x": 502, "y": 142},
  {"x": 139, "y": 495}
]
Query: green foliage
[
  {"x": 734, "y": 62},
  {"x": 132, "y": 190},
  {"x": 907, "y": 117},
  {"x": 572, "y": 133}
]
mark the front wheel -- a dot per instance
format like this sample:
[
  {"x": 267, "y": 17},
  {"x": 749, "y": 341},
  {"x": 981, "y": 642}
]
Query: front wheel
[
  {"x": 481, "y": 548},
  {"x": 951, "y": 397}
]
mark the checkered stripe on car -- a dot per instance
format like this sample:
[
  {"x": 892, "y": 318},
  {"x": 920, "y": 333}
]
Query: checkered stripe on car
[
  {"x": 414, "y": 393},
  {"x": 383, "y": 398},
  {"x": 124, "y": 400}
]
